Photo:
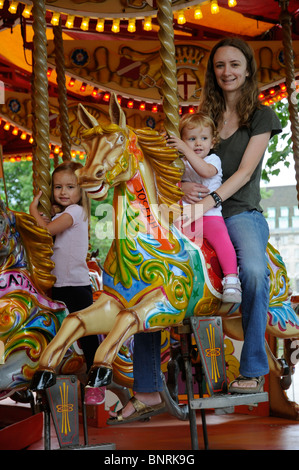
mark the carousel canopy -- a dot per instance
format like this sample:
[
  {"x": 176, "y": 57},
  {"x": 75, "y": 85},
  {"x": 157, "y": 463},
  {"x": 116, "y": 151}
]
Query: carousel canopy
[{"x": 114, "y": 47}]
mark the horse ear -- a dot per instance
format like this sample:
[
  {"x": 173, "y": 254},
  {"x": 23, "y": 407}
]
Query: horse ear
[
  {"x": 2, "y": 205},
  {"x": 85, "y": 118},
  {"x": 116, "y": 114}
]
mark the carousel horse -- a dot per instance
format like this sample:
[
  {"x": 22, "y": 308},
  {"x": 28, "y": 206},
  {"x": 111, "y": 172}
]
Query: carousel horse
[
  {"x": 28, "y": 318},
  {"x": 154, "y": 276}
]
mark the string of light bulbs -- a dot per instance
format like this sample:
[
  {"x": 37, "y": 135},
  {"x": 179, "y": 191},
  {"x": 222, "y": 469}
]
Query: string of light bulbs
[{"x": 115, "y": 28}]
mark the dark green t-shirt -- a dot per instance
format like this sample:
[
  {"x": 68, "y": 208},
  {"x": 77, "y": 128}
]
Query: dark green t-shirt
[{"x": 231, "y": 151}]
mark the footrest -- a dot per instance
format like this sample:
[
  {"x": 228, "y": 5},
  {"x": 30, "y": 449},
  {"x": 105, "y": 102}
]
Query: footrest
[
  {"x": 209, "y": 340},
  {"x": 63, "y": 402},
  {"x": 228, "y": 400}
]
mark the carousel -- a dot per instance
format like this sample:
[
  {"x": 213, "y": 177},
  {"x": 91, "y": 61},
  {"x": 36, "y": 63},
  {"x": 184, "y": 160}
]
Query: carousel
[{"x": 70, "y": 70}]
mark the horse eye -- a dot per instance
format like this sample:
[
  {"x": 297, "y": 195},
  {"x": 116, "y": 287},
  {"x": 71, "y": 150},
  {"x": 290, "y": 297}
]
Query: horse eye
[{"x": 121, "y": 139}]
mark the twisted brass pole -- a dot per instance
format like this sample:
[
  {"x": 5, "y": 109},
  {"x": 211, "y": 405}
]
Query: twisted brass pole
[
  {"x": 34, "y": 169},
  {"x": 62, "y": 95},
  {"x": 41, "y": 117},
  {"x": 286, "y": 22},
  {"x": 168, "y": 70}
]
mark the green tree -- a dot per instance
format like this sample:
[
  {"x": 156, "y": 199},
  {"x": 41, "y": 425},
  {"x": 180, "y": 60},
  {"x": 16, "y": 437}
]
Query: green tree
[
  {"x": 280, "y": 146},
  {"x": 18, "y": 180}
]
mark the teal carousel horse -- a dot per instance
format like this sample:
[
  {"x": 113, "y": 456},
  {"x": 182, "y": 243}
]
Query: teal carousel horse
[{"x": 154, "y": 276}]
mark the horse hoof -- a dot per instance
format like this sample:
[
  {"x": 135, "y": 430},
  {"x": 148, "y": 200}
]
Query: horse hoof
[
  {"x": 42, "y": 379},
  {"x": 99, "y": 376}
]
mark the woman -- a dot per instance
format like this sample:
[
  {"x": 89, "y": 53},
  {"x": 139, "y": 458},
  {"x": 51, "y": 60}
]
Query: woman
[{"x": 230, "y": 97}]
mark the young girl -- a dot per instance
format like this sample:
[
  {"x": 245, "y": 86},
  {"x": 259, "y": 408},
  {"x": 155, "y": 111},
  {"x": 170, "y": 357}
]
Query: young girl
[
  {"x": 70, "y": 228},
  {"x": 198, "y": 137}
]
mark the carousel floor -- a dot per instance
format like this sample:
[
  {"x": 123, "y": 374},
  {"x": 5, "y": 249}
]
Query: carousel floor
[{"x": 225, "y": 432}]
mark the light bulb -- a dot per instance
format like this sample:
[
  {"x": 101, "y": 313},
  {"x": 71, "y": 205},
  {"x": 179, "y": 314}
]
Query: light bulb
[
  {"x": 100, "y": 25},
  {"x": 214, "y": 7},
  {"x": 181, "y": 17},
  {"x": 13, "y": 7},
  {"x": 132, "y": 25},
  {"x": 198, "y": 13},
  {"x": 70, "y": 21},
  {"x": 27, "y": 11},
  {"x": 85, "y": 24},
  {"x": 55, "y": 18},
  {"x": 147, "y": 25},
  {"x": 115, "y": 25}
]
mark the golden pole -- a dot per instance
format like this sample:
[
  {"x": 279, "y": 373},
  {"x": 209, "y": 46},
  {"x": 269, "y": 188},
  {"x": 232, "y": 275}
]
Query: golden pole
[
  {"x": 41, "y": 114},
  {"x": 62, "y": 95},
  {"x": 169, "y": 72}
]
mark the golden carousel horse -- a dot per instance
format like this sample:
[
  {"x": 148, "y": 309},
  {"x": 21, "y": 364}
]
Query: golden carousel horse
[{"x": 154, "y": 276}]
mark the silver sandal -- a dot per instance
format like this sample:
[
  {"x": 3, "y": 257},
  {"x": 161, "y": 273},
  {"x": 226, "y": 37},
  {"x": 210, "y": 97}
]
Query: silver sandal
[{"x": 258, "y": 388}]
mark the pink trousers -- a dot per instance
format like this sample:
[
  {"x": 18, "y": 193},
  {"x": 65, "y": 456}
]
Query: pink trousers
[{"x": 213, "y": 229}]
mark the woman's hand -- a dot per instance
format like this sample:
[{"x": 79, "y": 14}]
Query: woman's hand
[{"x": 194, "y": 192}]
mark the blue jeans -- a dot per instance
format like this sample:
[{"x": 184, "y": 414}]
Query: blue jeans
[
  {"x": 249, "y": 234},
  {"x": 147, "y": 362}
]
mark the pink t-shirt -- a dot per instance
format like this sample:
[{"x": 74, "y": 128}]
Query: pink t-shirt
[{"x": 70, "y": 250}]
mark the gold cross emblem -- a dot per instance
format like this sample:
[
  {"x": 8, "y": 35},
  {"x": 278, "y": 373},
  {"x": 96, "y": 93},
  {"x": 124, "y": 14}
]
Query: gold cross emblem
[
  {"x": 213, "y": 352},
  {"x": 65, "y": 408}
]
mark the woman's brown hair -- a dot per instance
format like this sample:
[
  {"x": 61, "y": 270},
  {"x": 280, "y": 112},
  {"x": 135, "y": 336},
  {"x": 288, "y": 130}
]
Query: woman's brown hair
[{"x": 212, "y": 99}]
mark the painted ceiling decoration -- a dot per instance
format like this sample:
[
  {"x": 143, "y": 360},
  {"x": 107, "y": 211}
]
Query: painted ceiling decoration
[{"x": 113, "y": 46}]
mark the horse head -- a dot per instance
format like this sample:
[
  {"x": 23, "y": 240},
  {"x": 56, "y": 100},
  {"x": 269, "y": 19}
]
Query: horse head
[{"x": 109, "y": 159}]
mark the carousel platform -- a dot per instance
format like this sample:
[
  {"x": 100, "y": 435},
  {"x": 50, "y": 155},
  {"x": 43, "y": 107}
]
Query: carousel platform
[
  {"x": 240, "y": 431},
  {"x": 164, "y": 432}
]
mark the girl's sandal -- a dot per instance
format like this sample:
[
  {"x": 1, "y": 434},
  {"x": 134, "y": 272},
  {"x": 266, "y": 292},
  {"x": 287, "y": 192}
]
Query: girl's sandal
[{"x": 234, "y": 388}]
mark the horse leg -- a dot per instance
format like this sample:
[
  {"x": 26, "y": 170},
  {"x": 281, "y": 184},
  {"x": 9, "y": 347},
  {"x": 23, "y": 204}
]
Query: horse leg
[
  {"x": 127, "y": 323},
  {"x": 96, "y": 319}
]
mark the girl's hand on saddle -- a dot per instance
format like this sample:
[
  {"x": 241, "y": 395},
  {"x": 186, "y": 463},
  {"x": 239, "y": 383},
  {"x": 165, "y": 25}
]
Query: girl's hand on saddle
[{"x": 194, "y": 192}]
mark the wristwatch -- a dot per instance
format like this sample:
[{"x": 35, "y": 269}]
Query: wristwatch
[{"x": 216, "y": 198}]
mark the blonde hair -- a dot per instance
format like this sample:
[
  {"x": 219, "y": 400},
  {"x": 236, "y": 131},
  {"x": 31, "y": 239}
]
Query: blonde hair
[
  {"x": 199, "y": 119},
  {"x": 71, "y": 167}
]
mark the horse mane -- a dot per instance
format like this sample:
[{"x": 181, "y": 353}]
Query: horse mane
[
  {"x": 164, "y": 161},
  {"x": 38, "y": 244}
]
